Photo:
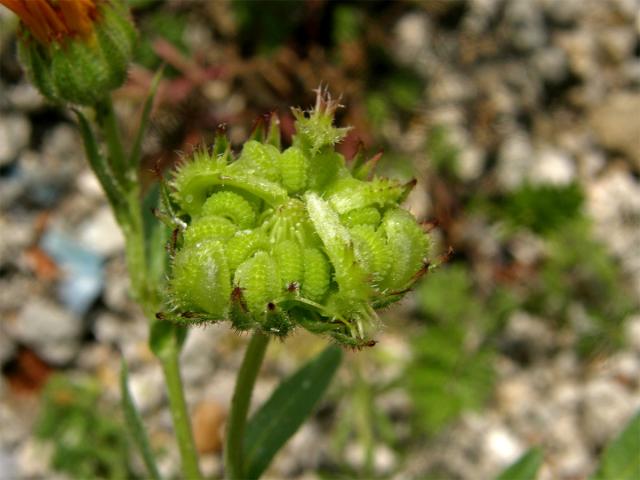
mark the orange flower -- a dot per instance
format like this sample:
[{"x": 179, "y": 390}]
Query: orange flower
[{"x": 56, "y": 20}]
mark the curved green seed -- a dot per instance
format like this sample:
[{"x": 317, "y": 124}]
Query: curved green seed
[
  {"x": 258, "y": 279},
  {"x": 232, "y": 206},
  {"x": 317, "y": 274},
  {"x": 294, "y": 169},
  {"x": 208, "y": 228},
  {"x": 244, "y": 244},
  {"x": 288, "y": 256},
  {"x": 362, "y": 216}
]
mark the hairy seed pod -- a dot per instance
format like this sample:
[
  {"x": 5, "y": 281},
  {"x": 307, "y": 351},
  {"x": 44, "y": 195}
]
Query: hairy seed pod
[
  {"x": 288, "y": 256},
  {"x": 408, "y": 242},
  {"x": 317, "y": 274},
  {"x": 294, "y": 238},
  {"x": 294, "y": 169},
  {"x": 362, "y": 216},
  {"x": 208, "y": 228},
  {"x": 232, "y": 206},
  {"x": 258, "y": 279},
  {"x": 200, "y": 279}
]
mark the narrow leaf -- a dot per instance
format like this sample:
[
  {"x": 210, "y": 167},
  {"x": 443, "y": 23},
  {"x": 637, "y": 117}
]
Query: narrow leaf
[
  {"x": 287, "y": 408},
  {"x": 136, "y": 151},
  {"x": 525, "y": 468},
  {"x": 134, "y": 423},
  {"x": 621, "y": 458}
]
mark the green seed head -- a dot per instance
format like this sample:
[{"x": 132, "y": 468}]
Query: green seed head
[{"x": 280, "y": 239}]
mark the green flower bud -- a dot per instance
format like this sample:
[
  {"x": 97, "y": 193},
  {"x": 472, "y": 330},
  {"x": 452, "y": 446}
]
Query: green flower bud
[
  {"x": 276, "y": 240},
  {"x": 74, "y": 51}
]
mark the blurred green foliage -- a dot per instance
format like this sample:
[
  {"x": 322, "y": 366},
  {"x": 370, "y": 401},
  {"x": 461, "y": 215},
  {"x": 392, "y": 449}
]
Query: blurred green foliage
[
  {"x": 263, "y": 26},
  {"x": 449, "y": 373},
  {"x": 164, "y": 24},
  {"x": 88, "y": 441},
  {"x": 543, "y": 209}
]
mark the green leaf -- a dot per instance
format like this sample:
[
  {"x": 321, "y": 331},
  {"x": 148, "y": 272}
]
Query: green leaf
[
  {"x": 134, "y": 423},
  {"x": 134, "y": 156},
  {"x": 621, "y": 458},
  {"x": 525, "y": 468},
  {"x": 287, "y": 408}
]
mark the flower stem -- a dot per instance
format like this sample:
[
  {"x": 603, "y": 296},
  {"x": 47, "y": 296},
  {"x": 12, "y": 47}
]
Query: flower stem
[
  {"x": 233, "y": 452},
  {"x": 180, "y": 415},
  {"x": 106, "y": 117}
]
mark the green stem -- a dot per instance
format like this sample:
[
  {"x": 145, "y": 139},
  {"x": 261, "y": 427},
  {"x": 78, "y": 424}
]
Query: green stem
[
  {"x": 233, "y": 452},
  {"x": 117, "y": 158},
  {"x": 135, "y": 251},
  {"x": 363, "y": 400},
  {"x": 180, "y": 415}
]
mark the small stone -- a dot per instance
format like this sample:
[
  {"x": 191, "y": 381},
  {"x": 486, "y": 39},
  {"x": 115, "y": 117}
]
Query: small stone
[
  {"x": 101, "y": 233},
  {"x": 8, "y": 465},
  {"x": 552, "y": 167},
  {"x": 615, "y": 123},
  {"x": 207, "y": 421},
  {"x": 25, "y": 97},
  {"x": 501, "y": 446},
  {"x": 196, "y": 366},
  {"x": 514, "y": 159},
  {"x": 412, "y": 37},
  {"x": 606, "y": 407},
  {"x": 551, "y": 64},
  {"x": 632, "y": 332},
  {"x": 527, "y": 337},
  {"x": 53, "y": 333},
  {"x": 526, "y": 28},
  {"x": 15, "y": 131},
  {"x": 147, "y": 388},
  {"x": 34, "y": 457},
  {"x": 618, "y": 43}
]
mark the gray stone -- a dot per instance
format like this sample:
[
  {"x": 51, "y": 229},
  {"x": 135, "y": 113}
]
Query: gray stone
[
  {"x": 606, "y": 407},
  {"x": 52, "y": 332},
  {"x": 525, "y": 24},
  {"x": 514, "y": 159},
  {"x": 147, "y": 388},
  {"x": 15, "y": 131},
  {"x": 551, "y": 64}
]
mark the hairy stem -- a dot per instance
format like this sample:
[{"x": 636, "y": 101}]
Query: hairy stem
[
  {"x": 117, "y": 158},
  {"x": 180, "y": 415},
  {"x": 233, "y": 452}
]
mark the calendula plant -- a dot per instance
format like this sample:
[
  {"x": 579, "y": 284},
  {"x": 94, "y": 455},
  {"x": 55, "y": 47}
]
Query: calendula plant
[{"x": 270, "y": 239}]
